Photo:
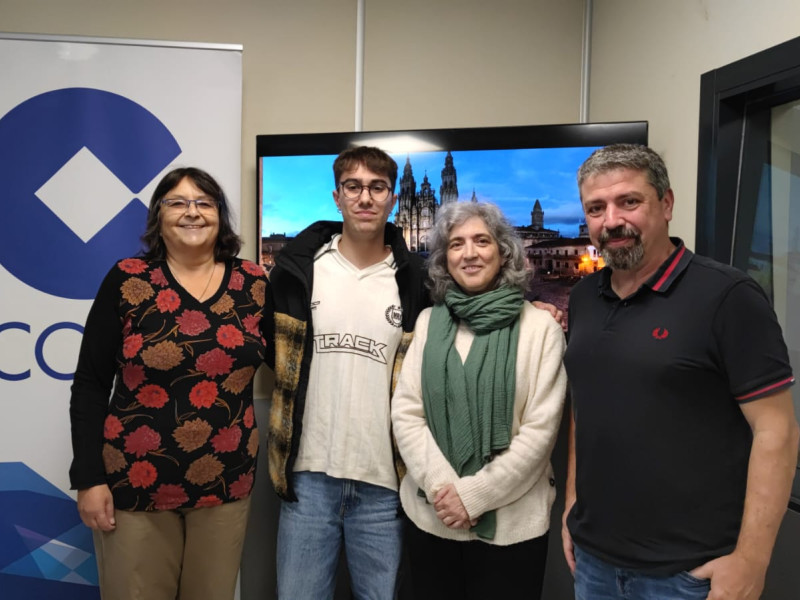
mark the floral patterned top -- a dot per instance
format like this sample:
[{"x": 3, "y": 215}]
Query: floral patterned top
[{"x": 179, "y": 430}]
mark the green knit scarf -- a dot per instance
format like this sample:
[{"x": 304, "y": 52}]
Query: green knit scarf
[{"x": 469, "y": 406}]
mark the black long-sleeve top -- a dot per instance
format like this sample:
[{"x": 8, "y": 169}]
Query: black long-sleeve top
[{"x": 179, "y": 428}]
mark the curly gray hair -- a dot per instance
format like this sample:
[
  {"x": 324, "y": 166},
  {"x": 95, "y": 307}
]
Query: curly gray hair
[{"x": 513, "y": 270}]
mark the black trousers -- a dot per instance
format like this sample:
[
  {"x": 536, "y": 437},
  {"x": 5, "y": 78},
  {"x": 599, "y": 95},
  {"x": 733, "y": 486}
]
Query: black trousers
[{"x": 441, "y": 569}]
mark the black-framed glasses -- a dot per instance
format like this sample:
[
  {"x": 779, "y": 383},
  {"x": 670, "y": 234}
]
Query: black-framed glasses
[
  {"x": 352, "y": 188},
  {"x": 178, "y": 203}
]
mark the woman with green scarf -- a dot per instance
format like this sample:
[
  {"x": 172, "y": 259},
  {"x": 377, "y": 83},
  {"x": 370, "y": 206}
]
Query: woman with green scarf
[{"x": 475, "y": 415}]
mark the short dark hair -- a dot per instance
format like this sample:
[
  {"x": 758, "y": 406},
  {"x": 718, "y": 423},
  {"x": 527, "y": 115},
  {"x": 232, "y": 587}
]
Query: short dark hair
[
  {"x": 228, "y": 242},
  {"x": 374, "y": 159},
  {"x": 627, "y": 156},
  {"x": 513, "y": 270}
]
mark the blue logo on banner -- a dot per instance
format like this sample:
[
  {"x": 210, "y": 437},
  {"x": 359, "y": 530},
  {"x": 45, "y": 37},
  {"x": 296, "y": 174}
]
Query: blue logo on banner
[
  {"x": 46, "y": 551},
  {"x": 37, "y": 138}
]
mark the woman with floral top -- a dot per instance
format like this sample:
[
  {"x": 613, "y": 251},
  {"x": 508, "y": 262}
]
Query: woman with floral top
[{"x": 163, "y": 431}]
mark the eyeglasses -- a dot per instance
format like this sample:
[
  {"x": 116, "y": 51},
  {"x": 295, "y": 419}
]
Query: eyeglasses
[
  {"x": 203, "y": 204},
  {"x": 378, "y": 190}
]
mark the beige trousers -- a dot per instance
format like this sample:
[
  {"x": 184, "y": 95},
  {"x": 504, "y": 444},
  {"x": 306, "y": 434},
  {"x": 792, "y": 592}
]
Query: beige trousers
[{"x": 184, "y": 554}]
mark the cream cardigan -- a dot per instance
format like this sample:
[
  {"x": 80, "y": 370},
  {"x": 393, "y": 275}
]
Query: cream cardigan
[{"x": 518, "y": 483}]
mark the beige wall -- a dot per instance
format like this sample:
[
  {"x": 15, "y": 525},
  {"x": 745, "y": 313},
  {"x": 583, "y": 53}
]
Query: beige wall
[
  {"x": 450, "y": 63},
  {"x": 471, "y": 63},
  {"x": 447, "y": 63},
  {"x": 647, "y": 59}
]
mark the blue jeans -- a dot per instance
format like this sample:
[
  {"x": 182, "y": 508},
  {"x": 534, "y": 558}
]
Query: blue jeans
[
  {"x": 330, "y": 512},
  {"x": 597, "y": 580}
]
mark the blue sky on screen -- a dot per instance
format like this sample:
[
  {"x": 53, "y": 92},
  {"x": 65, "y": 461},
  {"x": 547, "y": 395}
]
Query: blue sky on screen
[{"x": 296, "y": 190}]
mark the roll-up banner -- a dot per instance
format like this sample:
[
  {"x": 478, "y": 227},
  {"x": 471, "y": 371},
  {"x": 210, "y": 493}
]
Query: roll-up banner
[{"x": 88, "y": 126}]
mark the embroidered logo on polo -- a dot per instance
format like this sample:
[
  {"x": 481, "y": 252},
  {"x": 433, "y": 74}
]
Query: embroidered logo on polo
[
  {"x": 394, "y": 315},
  {"x": 660, "y": 333},
  {"x": 72, "y": 162},
  {"x": 350, "y": 344}
]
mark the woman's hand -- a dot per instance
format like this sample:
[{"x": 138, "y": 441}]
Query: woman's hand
[
  {"x": 96, "y": 508},
  {"x": 450, "y": 509}
]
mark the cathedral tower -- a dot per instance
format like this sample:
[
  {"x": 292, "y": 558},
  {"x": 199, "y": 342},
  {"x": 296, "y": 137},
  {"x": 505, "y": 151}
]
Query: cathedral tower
[
  {"x": 448, "y": 191},
  {"x": 537, "y": 216}
]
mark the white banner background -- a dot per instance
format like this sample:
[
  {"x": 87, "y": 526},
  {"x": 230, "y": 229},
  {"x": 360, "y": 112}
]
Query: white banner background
[{"x": 196, "y": 93}]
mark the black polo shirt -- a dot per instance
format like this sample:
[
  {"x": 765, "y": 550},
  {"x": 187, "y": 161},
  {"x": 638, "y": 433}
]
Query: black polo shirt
[{"x": 656, "y": 380}]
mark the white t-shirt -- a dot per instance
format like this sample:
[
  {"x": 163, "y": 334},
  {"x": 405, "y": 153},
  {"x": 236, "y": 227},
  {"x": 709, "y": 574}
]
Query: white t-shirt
[{"x": 356, "y": 316}]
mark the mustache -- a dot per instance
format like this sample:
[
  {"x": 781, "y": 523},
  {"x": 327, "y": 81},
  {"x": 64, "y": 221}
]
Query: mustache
[{"x": 618, "y": 233}]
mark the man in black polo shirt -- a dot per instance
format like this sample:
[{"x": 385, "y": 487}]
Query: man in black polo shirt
[{"x": 684, "y": 440}]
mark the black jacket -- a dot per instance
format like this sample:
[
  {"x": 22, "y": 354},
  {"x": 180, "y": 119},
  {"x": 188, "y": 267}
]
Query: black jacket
[{"x": 290, "y": 342}]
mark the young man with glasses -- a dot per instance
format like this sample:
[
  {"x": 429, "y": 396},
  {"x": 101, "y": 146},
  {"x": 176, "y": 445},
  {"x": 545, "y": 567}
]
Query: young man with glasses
[{"x": 343, "y": 299}]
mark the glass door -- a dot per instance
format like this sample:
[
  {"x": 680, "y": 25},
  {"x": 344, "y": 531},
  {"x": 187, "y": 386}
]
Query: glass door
[{"x": 766, "y": 240}]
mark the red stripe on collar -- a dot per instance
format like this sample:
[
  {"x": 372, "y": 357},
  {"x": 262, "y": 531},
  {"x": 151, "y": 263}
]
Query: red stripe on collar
[{"x": 657, "y": 286}]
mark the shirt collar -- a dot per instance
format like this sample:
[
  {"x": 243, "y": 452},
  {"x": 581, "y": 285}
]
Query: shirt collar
[
  {"x": 664, "y": 277},
  {"x": 333, "y": 246},
  {"x": 330, "y": 246},
  {"x": 671, "y": 268}
]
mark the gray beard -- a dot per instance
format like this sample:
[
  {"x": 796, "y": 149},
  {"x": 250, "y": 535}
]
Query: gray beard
[{"x": 624, "y": 259}]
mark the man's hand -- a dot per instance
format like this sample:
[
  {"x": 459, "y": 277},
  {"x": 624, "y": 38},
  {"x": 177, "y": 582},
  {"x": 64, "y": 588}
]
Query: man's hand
[
  {"x": 96, "y": 508},
  {"x": 554, "y": 311},
  {"x": 773, "y": 458},
  {"x": 733, "y": 577},
  {"x": 566, "y": 539},
  {"x": 450, "y": 509}
]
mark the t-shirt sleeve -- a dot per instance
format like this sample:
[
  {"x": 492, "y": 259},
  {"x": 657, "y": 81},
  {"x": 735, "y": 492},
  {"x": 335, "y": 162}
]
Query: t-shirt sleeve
[
  {"x": 93, "y": 381},
  {"x": 751, "y": 344}
]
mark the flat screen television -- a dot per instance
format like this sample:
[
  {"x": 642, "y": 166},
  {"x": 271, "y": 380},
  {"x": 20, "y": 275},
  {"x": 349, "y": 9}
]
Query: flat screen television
[{"x": 528, "y": 171}]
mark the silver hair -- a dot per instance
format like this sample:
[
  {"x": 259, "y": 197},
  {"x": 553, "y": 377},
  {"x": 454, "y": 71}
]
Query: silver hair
[
  {"x": 627, "y": 156},
  {"x": 513, "y": 270}
]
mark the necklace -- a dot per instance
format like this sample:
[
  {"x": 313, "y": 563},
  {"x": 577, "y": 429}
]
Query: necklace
[{"x": 205, "y": 289}]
